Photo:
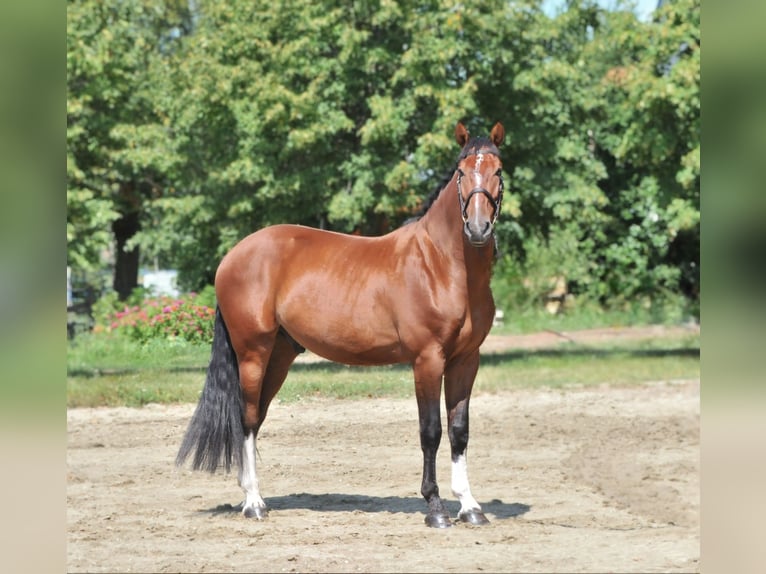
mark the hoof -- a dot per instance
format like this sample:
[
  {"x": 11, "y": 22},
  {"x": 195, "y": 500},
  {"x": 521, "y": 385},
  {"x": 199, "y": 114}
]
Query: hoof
[
  {"x": 258, "y": 512},
  {"x": 438, "y": 520},
  {"x": 475, "y": 517}
]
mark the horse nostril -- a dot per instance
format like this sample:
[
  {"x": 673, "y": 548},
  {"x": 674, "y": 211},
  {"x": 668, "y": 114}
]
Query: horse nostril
[{"x": 477, "y": 229}]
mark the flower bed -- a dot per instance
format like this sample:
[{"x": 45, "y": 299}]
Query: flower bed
[{"x": 166, "y": 318}]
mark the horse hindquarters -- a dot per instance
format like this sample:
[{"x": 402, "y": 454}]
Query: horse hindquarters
[{"x": 215, "y": 432}]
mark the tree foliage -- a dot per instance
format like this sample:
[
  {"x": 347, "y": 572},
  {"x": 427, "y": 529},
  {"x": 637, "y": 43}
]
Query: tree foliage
[
  {"x": 211, "y": 120},
  {"x": 606, "y": 151},
  {"x": 119, "y": 157}
]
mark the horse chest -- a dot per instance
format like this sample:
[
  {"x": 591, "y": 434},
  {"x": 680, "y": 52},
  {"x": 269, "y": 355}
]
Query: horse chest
[{"x": 472, "y": 332}]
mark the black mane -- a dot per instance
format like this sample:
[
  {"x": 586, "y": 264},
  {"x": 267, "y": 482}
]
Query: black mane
[{"x": 474, "y": 146}]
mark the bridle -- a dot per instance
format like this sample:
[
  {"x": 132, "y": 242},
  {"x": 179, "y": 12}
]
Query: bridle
[{"x": 479, "y": 190}]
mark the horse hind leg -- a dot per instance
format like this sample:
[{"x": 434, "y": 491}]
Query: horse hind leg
[
  {"x": 253, "y": 506},
  {"x": 258, "y": 391}
]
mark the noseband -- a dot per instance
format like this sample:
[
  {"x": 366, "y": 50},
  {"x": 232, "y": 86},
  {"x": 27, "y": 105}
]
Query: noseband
[{"x": 476, "y": 190}]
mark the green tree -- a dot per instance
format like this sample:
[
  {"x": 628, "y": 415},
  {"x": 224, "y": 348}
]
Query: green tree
[
  {"x": 327, "y": 114},
  {"x": 653, "y": 148},
  {"x": 197, "y": 128},
  {"x": 605, "y": 152},
  {"x": 117, "y": 160},
  {"x": 252, "y": 99}
]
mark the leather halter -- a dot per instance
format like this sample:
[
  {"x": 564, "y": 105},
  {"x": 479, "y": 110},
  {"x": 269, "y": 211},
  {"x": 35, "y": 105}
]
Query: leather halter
[{"x": 476, "y": 190}]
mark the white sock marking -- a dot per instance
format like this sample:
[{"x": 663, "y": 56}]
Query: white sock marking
[
  {"x": 248, "y": 479},
  {"x": 460, "y": 486}
]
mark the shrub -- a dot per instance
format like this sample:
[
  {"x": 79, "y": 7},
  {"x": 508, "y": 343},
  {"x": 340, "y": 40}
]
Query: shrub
[
  {"x": 207, "y": 296},
  {"x": 164, "y": 318}
]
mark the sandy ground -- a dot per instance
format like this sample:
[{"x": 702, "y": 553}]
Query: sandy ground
[{"x": 577, "y": 480}]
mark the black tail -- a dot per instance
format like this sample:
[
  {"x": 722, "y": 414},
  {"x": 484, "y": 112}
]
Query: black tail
[{"x": 215, "y": 432}]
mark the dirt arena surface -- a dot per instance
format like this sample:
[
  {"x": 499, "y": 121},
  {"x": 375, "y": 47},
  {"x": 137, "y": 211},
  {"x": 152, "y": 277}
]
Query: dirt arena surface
[{"x": 579, "y": 480}]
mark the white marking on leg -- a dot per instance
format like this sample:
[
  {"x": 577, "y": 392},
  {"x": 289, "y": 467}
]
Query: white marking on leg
[
  {"x": 460, "y": 486},
  {"x": 248, "y": 479}
]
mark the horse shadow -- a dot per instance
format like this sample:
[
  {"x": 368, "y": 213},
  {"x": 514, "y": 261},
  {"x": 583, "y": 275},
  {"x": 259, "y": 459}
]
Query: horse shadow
[{"x": 338, "y": 502}]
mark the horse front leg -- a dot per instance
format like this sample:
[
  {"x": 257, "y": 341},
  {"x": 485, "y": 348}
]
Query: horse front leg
[
  {"x": 428, "y": 378},
  {"x": 458, "y": 383}
]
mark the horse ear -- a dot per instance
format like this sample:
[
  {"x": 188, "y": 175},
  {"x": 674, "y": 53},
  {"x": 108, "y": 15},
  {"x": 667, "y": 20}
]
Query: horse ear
[
  {"x": 461, "y": 134},
  {"x": 498, "y": 134}
]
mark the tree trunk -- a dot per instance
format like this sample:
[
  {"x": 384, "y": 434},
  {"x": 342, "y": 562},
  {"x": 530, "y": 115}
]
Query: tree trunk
[{"x": 125, "y": 262}]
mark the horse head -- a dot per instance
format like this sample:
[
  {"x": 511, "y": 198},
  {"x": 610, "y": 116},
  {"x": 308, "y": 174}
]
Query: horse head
[{"x": 479, "y": 182}]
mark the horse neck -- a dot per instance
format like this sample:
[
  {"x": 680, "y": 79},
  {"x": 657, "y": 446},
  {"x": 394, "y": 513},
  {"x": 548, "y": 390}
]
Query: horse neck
[{"x": 444, "y": 225}]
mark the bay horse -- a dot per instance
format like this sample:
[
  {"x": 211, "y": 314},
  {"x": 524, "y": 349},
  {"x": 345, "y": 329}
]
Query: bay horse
[{"x": 418, "y": 295}]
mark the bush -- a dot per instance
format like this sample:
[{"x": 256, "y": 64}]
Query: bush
[
  {"x": 161, "y": 318},
  {"x": 106, "y": 306},
  {"x": 207, "y": 297}
]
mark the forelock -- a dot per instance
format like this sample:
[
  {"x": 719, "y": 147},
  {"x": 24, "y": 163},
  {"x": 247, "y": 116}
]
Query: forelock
[{"x": 477, "y": 144}]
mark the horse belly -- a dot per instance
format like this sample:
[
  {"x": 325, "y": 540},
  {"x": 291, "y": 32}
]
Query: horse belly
[
  {"x": 344, "y": 329},
  {"x": 342, "y": 338}
]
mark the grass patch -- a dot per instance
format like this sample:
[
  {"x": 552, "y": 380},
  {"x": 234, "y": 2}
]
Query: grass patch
[
  {"x": 106, "y": 370},
  {"x": 122, "y": 373},
  {"x": 618, "y": 364},
  {"x": 92, "y": 354},
  {"x": 134, "y": 389},
  {"x": 537, "y": 319}
]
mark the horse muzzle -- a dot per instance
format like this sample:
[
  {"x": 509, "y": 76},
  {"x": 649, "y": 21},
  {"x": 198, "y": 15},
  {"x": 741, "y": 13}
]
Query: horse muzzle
[{"x": 478, "y": 232}]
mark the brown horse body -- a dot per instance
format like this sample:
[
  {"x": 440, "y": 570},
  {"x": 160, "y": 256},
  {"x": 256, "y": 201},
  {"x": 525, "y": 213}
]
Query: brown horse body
[{"x": 418, "y": 295}]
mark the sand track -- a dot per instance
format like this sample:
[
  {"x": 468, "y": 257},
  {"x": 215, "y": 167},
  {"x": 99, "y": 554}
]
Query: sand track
[{"x": 595, "y": 480}]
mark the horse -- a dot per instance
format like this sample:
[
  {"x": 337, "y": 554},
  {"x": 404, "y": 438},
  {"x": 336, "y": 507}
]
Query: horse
[{"x": 419, "y": 295}]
